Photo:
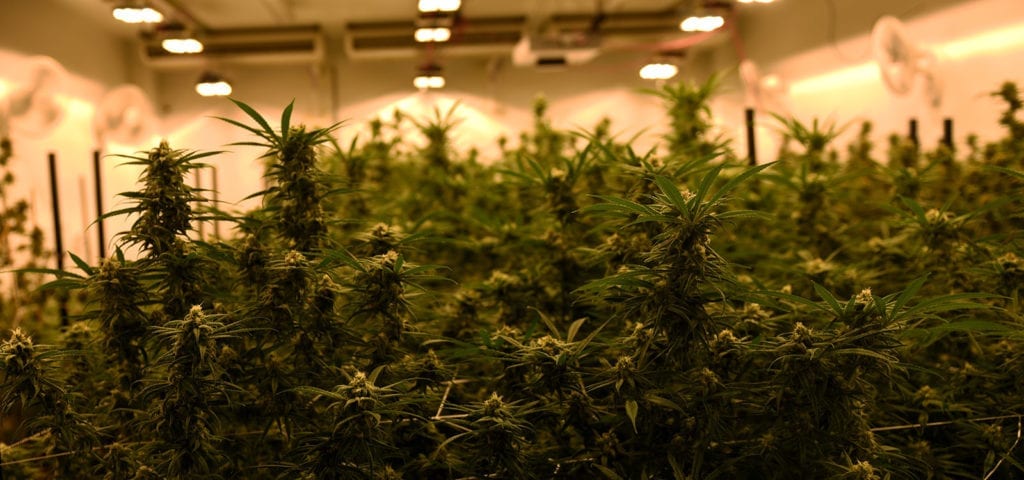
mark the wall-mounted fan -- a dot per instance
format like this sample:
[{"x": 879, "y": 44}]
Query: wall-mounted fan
[
  {"x": 125, "y": 115},
  {"x": 904, "y": 64},
  {"x": 765, "y": 93},
  {"x": 32, "y": 109}
]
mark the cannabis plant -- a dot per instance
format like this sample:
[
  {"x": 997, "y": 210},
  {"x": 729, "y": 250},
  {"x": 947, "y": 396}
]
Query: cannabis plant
[{"x": 576, "y": 308}]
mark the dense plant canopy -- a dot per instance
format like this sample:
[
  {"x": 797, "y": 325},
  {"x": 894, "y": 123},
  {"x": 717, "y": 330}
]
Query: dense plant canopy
[{"x": 575, "y": 309}]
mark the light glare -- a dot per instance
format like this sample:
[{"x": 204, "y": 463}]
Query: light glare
[
  {"x": 182, "y": 45},
  {"x": 438, "y": 34},
  {"x": 428, "y": 6},
  {"x": 658, "y": 71},
  {"x": 138, "y": 15},
  {"x": 702, "y": 24},
  {"x": 213, "y": 89},
  {"x": 424, "y": 82}
]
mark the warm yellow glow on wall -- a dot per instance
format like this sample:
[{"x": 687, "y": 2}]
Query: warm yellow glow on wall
[
  {"x": 1000, "y": 40},
  {"x": 836, "y": 79},
  {"x": 76, "y": 107},
  {"x": 1003, "y": 39}
]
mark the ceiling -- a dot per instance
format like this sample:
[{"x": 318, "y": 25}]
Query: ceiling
[
  {"x": 333, "y": 15},
  {"x": 383, "y": 28}
]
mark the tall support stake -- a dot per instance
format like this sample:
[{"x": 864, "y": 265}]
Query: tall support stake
[
  {"x": 216, "y": 204},
  {"x": 912, "y": 134},
  {"x": 199, "y": 188},
  {"x": 751, "y": 140},
  {"x": 947, "y": 132},
  {"x": 55, "y": 199},
  {"x": 97, "y": 173}
]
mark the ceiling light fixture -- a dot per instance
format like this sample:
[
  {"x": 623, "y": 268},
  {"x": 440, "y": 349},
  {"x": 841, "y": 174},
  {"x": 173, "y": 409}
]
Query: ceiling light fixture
[
  {"x": 705, "y": 23},
  {"x": 212, "y": 85},
  {"x": 182, "y": 45},
  {"x": 178, "y": 39},
  {"x": 439, "y": 5},
  {"x": 429, "y": 77},
  {"x": 658, "y": 70},
  {"x": 136, "y": 13},
  {"x": 433, "y": 34}
]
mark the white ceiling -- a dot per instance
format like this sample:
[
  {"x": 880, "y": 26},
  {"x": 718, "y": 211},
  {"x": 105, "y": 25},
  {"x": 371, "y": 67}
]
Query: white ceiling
[
  {"x": 805, "y": 23},
  {"x": 334, "y": 14}
]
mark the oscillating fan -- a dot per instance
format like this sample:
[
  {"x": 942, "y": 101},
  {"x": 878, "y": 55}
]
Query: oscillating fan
[
  {"x": 125, "y": 115},
  {"x": 32, "y": 108},
  {"x": 902, "y": 63},
  {"x": 764, "y": 92}
]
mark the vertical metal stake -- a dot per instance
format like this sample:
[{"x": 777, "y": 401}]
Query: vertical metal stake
[
  {"x": 57, "y": 232},
  {"x": 199, "y": 187},
  {"x": 98, "y": 178},
  {"x": 751, "y": 145},
  {"x": 912, "y": 135},
  {"x": 216, "y": 203},
  {"x": 947, "y": 132}
]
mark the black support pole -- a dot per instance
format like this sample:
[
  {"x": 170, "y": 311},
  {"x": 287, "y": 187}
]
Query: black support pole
[
  {"x": 98, "y": 177},
  {"x": 55, "y": 199},
  {"x": 216, "y": 203},
  {"x": 912, "y": 135},
  {"x": 751, "y": 145},
  {"x": 199, "y": 187},
  {"x": 947, "y": 132}
]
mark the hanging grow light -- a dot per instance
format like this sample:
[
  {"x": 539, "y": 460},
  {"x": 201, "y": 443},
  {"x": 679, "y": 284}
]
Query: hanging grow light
[
  {"x": 182, "y": 45},
  {"x": 658, "y": 70},
  {"x": 429, "y": 77},
  {"x": 136, "y": 13},
  {"x": 212, "y": 85},
  {"x": 707, "y": 23},
  {"x": 433, "y": 34},
  {"x": 178, "y": 39},
  {"x": 427, "y": 6}
]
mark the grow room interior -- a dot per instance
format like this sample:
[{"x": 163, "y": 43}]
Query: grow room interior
[
  {"x": 545, "y": 239},
  {"x": 352, "y": 61}
]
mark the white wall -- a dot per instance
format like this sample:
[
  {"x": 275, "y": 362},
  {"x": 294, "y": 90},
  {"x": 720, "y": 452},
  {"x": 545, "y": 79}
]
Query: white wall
[
  {"x": 978, "y": 44},
  {"x": 95, "y": 61}
]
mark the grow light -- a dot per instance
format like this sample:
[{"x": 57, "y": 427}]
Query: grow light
[
  {"x": 425, "y": 82},
  {"x": 658, "y": 71},
  {"x": 427, "y": 6},
  {"x": 213, "y": 85},
  {"x": 435, "y": 34},
  {"x": 182, "y": 45},
  {"x": 135, "y": 14},
  {"x": 702, "y": 24}
]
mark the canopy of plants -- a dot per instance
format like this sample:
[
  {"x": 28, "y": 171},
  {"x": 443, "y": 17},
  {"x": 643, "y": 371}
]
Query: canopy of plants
[{"x": 574, "y": 309}]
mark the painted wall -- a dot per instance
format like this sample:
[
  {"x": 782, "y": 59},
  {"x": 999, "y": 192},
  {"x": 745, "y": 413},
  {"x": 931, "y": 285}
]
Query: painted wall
[
  {"x": 96, "y": 61},
  {"x": 978, "y": 45}
]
